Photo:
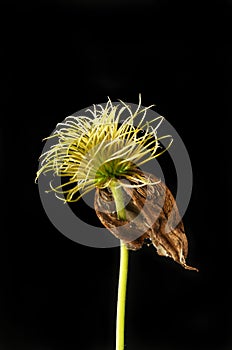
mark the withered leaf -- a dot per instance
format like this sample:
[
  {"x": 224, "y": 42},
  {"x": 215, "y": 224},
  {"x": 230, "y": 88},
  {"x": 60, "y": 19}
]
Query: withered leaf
[{"x": 152, "y": 216}]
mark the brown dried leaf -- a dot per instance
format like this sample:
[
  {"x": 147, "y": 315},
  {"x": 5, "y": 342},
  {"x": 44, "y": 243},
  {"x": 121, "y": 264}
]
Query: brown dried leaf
[{"x": 152, "y": 215}]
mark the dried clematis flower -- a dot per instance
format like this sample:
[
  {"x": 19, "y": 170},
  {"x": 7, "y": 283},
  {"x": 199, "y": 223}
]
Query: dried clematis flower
[
  {"x": 104, "y": 152},
  {"x": 159, "y": 221}
]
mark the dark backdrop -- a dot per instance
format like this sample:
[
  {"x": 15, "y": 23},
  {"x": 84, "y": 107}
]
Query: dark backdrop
[{"x": 59, "y": 57}]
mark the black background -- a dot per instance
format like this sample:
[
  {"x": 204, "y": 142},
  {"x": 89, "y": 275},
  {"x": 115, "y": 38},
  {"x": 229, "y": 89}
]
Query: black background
[{"x": 57, "y": 58}]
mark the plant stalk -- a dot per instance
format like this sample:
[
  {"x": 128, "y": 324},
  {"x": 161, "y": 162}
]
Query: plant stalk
[{"x": 123, "y": 271}]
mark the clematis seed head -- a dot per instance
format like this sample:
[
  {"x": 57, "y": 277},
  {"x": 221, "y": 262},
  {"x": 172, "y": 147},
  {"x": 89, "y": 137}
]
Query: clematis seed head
[{"x": 92, "y": 150}]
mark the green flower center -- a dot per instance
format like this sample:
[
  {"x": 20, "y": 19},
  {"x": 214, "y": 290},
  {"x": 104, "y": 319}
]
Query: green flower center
[{"x": 112, "y": 170}]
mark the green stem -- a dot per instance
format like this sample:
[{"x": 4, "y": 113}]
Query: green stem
[
  {"x": 117, "y": 192},
  {"x": 120, "y": 325},
  {"x": 122, "y": 283}
]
